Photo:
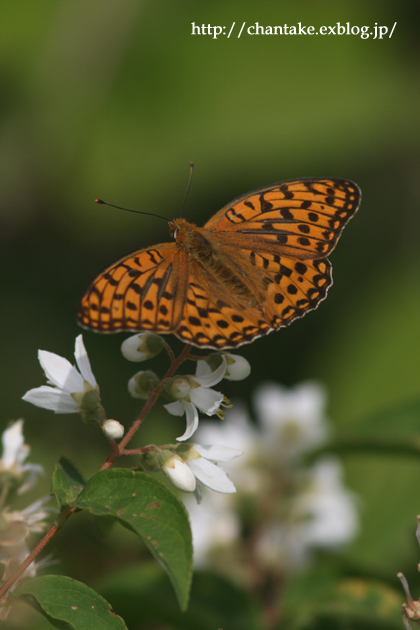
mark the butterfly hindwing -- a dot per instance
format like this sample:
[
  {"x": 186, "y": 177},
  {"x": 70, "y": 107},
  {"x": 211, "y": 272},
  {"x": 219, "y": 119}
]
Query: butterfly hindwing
[
  {"x": 279, "y": 291},
  {"x": 214, "y": 317}
]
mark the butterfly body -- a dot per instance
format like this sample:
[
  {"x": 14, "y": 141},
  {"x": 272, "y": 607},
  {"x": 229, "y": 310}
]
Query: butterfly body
[{"x": 256, "y": 265}]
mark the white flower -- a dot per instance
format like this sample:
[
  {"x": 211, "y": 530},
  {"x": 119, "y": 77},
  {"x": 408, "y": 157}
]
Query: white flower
[
  {"x": 326, "y": 509},
  {"x": 323, "y": 514},
  {"x": 14, "y": 454},
  {"x": 200, "y": 460},
  {"x": 292, "y": 419},
  {"x": 237, "y": 431},
  {"x": 237, "y": 367},
  {"x": 142, "y": 346},
  {"x": 197, "y": 466},
  {"x": 69, "y": 385},
  {"x": 193, "y": 393},
  {"x": 304, "y": 507},
  {"x": 16, "y": 527},
  {"x": 214, "y": 524},
  {"x": 113, "y": 429}
]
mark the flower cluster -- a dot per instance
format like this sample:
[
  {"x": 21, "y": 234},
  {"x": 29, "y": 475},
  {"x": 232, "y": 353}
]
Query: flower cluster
[
  {"x": 304, "y": 506},
  {"x": 192, "y": 465},
  {"x": 17, "y": 525},
  {"x": 190, "y": 393},
  {"x": 75, "y": 390}
]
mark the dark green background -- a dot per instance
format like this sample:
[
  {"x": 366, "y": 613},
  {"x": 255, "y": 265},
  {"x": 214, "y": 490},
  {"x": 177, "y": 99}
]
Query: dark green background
[{"x": 113, "y": 99}]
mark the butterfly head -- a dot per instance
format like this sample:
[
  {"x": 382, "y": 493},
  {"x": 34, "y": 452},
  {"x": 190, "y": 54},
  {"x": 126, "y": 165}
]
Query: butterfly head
[
  {"x": 178, "y": 229},
  {"x": 190, "y": 237}
]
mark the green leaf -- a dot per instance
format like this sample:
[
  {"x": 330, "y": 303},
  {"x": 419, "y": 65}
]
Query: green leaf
[
  {"x": 392, "y": 431},
  {"x": 66, "y": 483},
  {"x": 68, "y": 604},
  {"x": 150, "y": 510},
  {"x": 215, "y": 601},
  {"x": 320, "y": 599}
]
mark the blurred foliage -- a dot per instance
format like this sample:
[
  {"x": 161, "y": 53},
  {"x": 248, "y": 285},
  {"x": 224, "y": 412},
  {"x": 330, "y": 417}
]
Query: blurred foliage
[{"x": 113, "y": 100}]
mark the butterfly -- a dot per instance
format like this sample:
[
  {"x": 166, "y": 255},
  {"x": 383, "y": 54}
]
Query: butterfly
[{"x": 256, "y": 265}]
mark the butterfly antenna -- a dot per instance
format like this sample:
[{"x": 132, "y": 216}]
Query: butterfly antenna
[
  {"x": 188, "y": 188},
  {"x": 150, "y": 214}
]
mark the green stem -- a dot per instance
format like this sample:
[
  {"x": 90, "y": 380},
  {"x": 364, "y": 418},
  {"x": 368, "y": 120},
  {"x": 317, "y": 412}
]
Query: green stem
[{"x": 4, "y": 494}]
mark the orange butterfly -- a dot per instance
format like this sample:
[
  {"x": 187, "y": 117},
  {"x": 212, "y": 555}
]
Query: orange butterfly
[{"x": 258, "y": 264}]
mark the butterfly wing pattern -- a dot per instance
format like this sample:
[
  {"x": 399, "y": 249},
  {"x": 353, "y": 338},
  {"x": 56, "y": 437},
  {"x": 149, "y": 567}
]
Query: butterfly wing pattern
[{"x": 256, "y": 265}]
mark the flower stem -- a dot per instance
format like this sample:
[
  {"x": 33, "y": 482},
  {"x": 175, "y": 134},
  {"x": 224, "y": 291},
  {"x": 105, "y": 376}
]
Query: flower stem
[
  {"x": 25, "y": 564},
  {"x": 149, "y": 404},
  {"x": 117, "y": 451},
  {"x": 145, "y": 449}
]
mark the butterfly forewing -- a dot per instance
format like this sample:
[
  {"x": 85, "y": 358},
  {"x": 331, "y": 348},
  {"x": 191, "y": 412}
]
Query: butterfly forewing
[
  {"x": 143, "y": 291},
  {"x": 300, "y": 218},
  {"x": 258, "y": 264}
]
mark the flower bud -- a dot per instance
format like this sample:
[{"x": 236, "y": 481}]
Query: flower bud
[
  {"x": 151, "y": 460},
  {"x": 179, "y": 474},
  {"x": 139, "y": 384},
  {"x": 238, "y": 367},
  {"x": 178, "y": 387},
  {"x": 113, "y": 429},
  {"x": 142, "y": 346},
  {"x": 89, "y": 402}
]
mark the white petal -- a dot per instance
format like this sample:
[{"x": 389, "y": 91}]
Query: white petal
[
  {"x": 310, "y": 399},
  {"x": 211, "y": 476},
  {"x": 36, "y": 506},
  {"x": 217, "y": 453},
  {"x": 208, "y": 380},
  {"x": 192, "y": 420},
  {"x": 238, "y": 370},
  {"x": 83, "y": 362},
  {"x": 33, "y": 470},
  {"x": 236, "y": 431},
  {"x": 135, "y": 348},
  {"x": 328, "y": 508},
  {"x": 12, "y": 443},
  {"x": 202, "y": 368},
  {"x": 207, "y": 400},
  {"x": 51, "y": 398},
  {"x": 179, "y": 474},
  {"x": 292, "y": 417},
  {"x": 214, "y": 524},
  {"x": 60, "y": 372},
  {"x": 178, "y": 408},
  {"x": 175, "y": 408}
]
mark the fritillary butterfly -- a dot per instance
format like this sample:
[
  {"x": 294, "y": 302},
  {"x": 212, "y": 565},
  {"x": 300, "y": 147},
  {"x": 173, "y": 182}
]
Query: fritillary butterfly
[{"x": 256, "y": 265}]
